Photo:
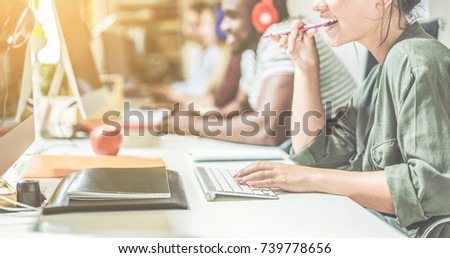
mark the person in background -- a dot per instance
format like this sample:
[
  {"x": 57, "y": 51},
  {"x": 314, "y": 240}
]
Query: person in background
[
  {"x": 217, "y": 80},
  {"x": 191, "y": 50},
  {"x": 392, "y": 156},
  {"x": 208, "y": 68},
  {"x": 229, "y": 87},
  {"x": 254, "y": 116},
  {"x": 224, "y": 82}
]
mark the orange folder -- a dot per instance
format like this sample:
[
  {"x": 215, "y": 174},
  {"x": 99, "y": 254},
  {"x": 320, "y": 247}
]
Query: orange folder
[{"x": 44, "y": 166}]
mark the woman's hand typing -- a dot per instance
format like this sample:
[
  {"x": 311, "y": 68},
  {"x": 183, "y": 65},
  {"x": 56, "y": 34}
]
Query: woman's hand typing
[{"x": 286, "y": 177}]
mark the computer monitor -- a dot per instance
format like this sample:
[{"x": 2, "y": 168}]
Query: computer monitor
[
  {"x": 16, "y": 120},
  {"x": 77, "y": 57}
]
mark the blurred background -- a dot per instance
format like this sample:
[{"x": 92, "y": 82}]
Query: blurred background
[
  {"x": 142, "y": 39},
  {"x": 139, "y": 39},
  {"x": 148, "y": 43}
]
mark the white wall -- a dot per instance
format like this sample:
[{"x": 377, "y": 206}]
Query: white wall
[{"x": 441, "y": 9}]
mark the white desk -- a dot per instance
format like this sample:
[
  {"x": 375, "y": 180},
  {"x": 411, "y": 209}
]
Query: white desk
[{"x": 293, "y": 215}]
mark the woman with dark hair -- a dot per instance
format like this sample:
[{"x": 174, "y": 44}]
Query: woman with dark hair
[{"x": 396, "y": 127}]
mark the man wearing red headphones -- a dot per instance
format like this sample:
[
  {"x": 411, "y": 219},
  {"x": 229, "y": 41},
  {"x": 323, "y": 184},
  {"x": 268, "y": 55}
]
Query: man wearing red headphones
[{"x": 264, "y": 100}]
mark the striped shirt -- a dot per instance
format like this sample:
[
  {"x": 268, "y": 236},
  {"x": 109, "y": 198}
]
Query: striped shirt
[{"x": 336, "y": 83}]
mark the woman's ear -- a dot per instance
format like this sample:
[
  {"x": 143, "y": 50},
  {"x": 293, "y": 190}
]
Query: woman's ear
[{"x": 383, "y": 4}]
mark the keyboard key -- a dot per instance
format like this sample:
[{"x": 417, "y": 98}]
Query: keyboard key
[
  {"x": 234, "y": 185},
  {"x": 258, "y": 192},
  {"x": 222, "y": 181},
  {"x": 246, "y": 189},
  {"x": 213, "y": 179}
]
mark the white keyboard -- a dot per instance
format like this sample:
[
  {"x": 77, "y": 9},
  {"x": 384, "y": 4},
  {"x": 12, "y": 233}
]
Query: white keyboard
[{"x": 219, "y": 181}]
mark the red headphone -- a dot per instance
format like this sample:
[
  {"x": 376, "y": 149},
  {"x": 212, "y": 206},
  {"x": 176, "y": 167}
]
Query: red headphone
[
  {"x": 17, "y": 28},
  {"x": 264, "y": 14}
]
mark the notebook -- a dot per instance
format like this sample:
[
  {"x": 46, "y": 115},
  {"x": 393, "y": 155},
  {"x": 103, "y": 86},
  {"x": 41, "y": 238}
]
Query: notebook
[
  {"x": 59, "y": 203},
  {"x": 119, "y": 183}
]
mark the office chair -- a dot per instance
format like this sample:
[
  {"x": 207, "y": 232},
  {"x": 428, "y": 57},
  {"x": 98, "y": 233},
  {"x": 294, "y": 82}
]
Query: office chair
[
  {"x": 432, "y": 27},
  {"x": 435, "y": 227}
]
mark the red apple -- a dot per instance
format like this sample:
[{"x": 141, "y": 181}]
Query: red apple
[{"x": 106, "y": 140}]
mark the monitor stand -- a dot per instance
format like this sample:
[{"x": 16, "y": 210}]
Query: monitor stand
[{"x": 87, "y": 104}]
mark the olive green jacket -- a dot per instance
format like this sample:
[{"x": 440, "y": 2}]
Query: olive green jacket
[{"x": 398, "y": 122}]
